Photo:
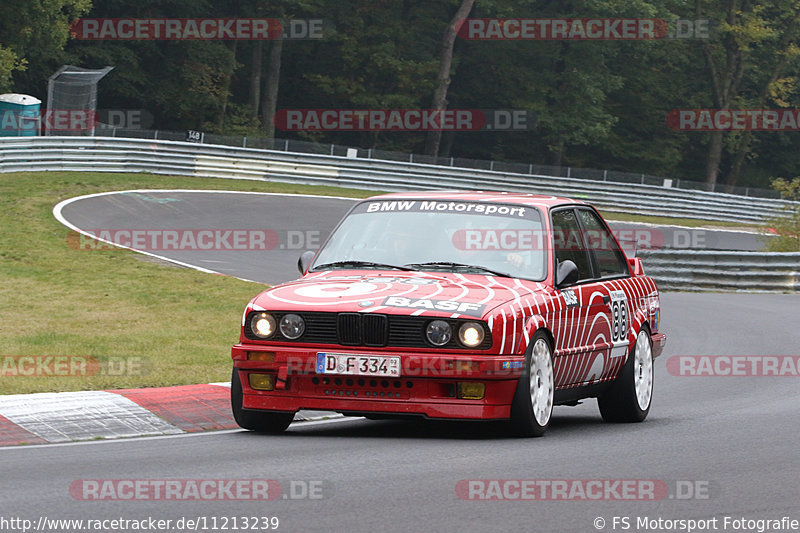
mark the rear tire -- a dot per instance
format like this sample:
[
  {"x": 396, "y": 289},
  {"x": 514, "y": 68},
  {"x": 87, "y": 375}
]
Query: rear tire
[
  {"x": 532, "y": 407},
  {"x": 629, "y": 397},
  {"x": 258, "y": 421}
]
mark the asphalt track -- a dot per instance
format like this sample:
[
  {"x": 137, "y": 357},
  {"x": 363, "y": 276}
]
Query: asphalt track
[
  {"x": 737, "y": 436},
  {"x": 299, "y": 223},
  {"x": 732, "y": 439}
]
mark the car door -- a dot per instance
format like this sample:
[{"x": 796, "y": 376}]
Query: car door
[
  {"x": 612, "y": 320},
  {"x": 580, "y": 336}
]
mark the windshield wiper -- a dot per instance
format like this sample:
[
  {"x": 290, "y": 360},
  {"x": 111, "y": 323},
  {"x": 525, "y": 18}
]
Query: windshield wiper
[
  {"x": 359, "y": 264},
  {"x": 417, "y": 266}
]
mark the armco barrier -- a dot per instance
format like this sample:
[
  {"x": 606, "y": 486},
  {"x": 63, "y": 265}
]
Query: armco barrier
[
  {"x": 108, "y": 154},
  {"x": 722, "y": 270},
  {"x": 672, "y": 269}
]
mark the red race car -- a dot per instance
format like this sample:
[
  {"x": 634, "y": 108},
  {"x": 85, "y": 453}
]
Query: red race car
[{"x": 454, "y": 305}]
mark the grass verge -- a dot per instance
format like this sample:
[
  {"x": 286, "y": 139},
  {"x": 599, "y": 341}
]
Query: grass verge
[{"x": 145, "y": 324}]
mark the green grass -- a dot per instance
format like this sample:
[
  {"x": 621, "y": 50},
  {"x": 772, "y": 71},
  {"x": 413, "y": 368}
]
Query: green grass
[{"x": 166, "y": 325}]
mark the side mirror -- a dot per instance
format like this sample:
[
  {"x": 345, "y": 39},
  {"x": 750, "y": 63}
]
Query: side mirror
[
  {"x": 567, "y": 274},
  {"x": 636, "y": 266},
  {"x": 305, "y": 260}
]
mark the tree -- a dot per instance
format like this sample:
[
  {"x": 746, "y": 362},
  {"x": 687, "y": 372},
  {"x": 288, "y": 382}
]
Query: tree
[
  {"x": 787, "y": 226},
  {"x": 9, "y": 63},
  {"x": 754, "y": 45},
  {"x": 270, "y": 103},
  {"x": 443, "y": 76},
  {"x": 32, "y": 37}
]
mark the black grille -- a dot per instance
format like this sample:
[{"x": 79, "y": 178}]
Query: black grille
[
  {"x": 368, "y": 329},
  {"x": 349, "y": 329},
  {"x": 375, "y": 330}
]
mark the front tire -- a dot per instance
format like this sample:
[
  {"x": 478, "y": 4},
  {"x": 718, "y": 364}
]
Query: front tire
[
  {"x": 258, "y": 421},
  {"x": 629, "y": 397},
  {"x": 532, "y": 407}
]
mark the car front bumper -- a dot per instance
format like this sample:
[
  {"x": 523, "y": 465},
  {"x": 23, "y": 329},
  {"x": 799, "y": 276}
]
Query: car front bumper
[{"x": 428, "y": 384}]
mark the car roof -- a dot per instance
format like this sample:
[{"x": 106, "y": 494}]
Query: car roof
[{"x": 538, "y": 200}]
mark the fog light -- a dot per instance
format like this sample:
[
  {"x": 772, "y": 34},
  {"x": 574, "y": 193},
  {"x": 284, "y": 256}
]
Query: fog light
[
  {"x": 267, "y": 357},
  {"x": 261, "y": 381},
  {"x": 461, "y": 366},
  {"x": 466, "y": 390}
]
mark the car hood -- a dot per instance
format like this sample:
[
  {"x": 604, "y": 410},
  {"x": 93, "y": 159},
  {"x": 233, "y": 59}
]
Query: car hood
[{"x": 441, "y": 294}]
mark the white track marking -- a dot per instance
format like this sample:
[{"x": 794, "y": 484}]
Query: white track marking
[
  {"x": 57, "y": 213},
  {"x": 67, "y": 416}
]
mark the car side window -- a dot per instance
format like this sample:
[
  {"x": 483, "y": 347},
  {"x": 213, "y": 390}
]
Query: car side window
[
  {"x": 568, "y": 242},
  {"x": 609, "y": 257}
]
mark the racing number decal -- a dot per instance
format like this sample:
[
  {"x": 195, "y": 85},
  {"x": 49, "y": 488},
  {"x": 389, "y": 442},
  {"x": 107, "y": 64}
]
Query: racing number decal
[
  {"x": 619, "y": 310},
  {"x": 619, "y": 320}
]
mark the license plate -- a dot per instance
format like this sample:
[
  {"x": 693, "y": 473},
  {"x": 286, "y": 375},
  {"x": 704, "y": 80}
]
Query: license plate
[{"x": 358, "y": 365}]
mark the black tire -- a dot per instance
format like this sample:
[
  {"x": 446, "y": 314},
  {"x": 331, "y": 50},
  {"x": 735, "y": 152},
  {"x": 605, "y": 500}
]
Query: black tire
[
  {"x": 625, "y": 401},
  {"x": 532, "y": 407},
  {"x": 258, "y": 421}
]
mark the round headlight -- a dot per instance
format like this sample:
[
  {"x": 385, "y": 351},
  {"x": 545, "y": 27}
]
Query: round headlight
[
  {"x": 292, "y": 326},
  {"x": 439, "y": 332},
  {"x": 470, "y": 334},
  {"x": 262, "y": 325}
]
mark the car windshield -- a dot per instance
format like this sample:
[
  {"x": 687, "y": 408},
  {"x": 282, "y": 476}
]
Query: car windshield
[{"x": 439, "y": 235}]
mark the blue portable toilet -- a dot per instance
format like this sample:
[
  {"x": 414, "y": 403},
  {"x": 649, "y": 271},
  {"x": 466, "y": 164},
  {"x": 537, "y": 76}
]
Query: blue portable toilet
[{"x": 20, "y": 115}]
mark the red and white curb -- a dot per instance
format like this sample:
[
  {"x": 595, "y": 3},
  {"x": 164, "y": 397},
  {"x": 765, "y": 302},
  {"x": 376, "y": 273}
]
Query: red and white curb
[{"x": 73, "y": 416}]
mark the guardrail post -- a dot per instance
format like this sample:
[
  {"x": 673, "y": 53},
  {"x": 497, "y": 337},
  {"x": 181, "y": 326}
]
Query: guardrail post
[
  {"x": 605, "y": 175},
  {"x": 642, "y": 179},
  {"x": 569, "y": 171},
  {"x": 451, "y": 160},
  {"x": 155, "y": 135},
  {"x": 369, "y": 153},
  {"x": 286, "y": 145},
  {"x": 332, "y": 149},
  {"x": 244, "y": 141},
  {"x": 410, "y": 158}
]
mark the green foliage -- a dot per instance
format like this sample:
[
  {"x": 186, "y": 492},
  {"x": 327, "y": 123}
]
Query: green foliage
[
  {"x": 9, "y": 62},
  {"x": 35, "y": 31},
  {"x": 787, "y": 226},
  {"x": 600, "y": 104}
]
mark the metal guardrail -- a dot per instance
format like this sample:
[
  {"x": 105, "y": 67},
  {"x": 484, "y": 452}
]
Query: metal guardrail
[
  {"x": 672, "y": 269},
  {"x": 305, "y": 147},
  {"x": 715, "y": 270},
  {"x": 203, "y": 160}
]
